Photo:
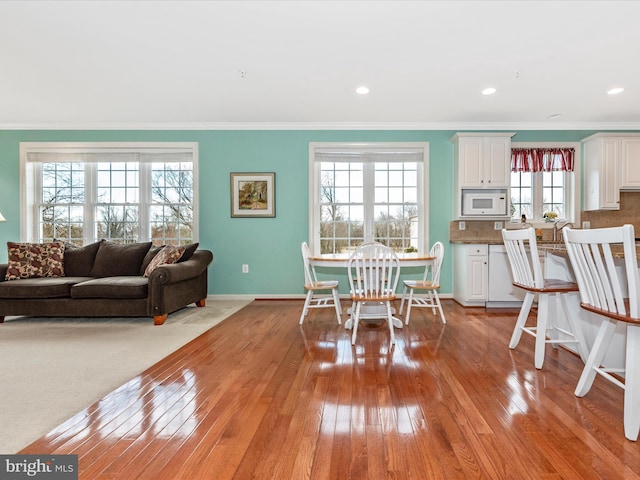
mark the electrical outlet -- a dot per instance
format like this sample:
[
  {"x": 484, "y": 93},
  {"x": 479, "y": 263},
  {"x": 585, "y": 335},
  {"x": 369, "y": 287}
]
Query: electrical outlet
[
  {"x": 462, "y": 226},
  {"x": 586, "y": 224},
  {"x": 245, "y": 268},
  {"x": 497, "y": 225}
]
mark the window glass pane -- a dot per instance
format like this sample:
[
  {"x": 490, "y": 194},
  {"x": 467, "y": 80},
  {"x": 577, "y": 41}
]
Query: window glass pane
[
  {"x": 381, "y": 178},
  {"x": 381, "y": 195},
  {"x": 396, "y": 195},
  {"x": 396, "y": 179},
  {"x": 521, "y": 198}
]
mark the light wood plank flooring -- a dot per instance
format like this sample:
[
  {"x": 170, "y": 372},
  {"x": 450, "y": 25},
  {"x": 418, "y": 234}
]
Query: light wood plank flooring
[{"x": 259, "y": 396}]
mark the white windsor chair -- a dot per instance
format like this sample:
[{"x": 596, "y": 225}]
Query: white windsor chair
[
  {"x": 614, "y": 298},
  {"x": 320, "y": 294},
  {"x": 430, "y": 298},
  {"x": 522, "y": 251},
  {"x": 374, "y": 271}
]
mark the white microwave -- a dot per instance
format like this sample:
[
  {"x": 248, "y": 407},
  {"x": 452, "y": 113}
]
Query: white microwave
[{"x": 484, "y": 203}]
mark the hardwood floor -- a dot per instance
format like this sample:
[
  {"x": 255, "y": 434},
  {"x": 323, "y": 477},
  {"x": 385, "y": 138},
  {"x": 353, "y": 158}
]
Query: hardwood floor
[{"x": 259, "y": 396}]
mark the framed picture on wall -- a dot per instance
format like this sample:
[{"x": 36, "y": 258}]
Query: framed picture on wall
[{"x": 253, "y": 194}]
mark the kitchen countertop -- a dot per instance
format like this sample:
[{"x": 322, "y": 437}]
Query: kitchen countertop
[{"x": 554, "y": 248}]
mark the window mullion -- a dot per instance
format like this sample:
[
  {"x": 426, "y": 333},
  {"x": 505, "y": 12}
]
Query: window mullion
[
  {"x": 369, "y": 197},
  {"x": 536, "y": 181},
  {"x": 36, "y": 227},
  {"x": 144, "y": 200},
  {"x": 89, "y": 209}
]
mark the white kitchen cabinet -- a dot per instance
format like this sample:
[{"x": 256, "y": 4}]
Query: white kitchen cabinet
[
  {"x": 482, "y": 160},
  {"x": 611, "y": 164},
  {"x": 470, "y": 274},
  {"x": 501, "y": 290},
  {"x": 630, "y": 153}
]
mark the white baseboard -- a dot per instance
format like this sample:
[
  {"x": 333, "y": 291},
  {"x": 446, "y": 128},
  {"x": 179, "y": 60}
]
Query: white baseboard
[{"x": 283, "y": 296}]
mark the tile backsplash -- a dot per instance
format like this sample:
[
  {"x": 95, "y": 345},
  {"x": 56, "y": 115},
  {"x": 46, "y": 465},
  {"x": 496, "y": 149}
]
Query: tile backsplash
[{"x": 629, "y": 213}]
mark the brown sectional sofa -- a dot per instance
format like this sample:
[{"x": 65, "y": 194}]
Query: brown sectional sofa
[{"x": 105, "y": 279}]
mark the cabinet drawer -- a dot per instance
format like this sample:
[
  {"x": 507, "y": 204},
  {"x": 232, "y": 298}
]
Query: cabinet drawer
[{"x": 473, "y": 250}]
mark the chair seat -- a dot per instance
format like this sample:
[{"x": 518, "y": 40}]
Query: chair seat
[
  {"x": 384, "y": 297},
  {"x": 613, "y": 315},
  {"x": 321, "y": 285},
  {"x": 420, "y": 285},
  {"x": 550, "y": 285}
]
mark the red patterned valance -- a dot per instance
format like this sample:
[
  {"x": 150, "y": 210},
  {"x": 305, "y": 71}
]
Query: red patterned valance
[{"x": 542, "y": 159}]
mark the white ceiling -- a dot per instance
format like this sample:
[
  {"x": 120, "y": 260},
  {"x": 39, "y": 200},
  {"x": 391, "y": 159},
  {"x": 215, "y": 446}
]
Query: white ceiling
[{"x": 179, "y": 64}]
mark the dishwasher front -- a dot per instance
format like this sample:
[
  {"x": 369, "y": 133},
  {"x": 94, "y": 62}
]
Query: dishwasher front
[{"x": 501, "y": 291}]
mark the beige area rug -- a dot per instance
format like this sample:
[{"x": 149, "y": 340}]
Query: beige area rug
[{"x": 51, "y": 368}]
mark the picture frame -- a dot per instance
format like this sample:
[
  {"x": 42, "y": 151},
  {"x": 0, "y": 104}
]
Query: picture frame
[{"x": 253, "y": 194}]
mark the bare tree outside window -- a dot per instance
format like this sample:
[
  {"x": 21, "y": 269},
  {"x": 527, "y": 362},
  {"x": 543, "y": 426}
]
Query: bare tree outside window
[
  {"x": 116, "y": 213},
  {"x": 172, "y": 203},
  {"x": 63, "y": 194},
  {"x": 342, "y": 206}
]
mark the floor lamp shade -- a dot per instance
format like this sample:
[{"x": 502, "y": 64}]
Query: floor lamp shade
[{"x": 2, "y": 219}]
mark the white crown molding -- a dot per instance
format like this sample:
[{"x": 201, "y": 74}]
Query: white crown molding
[{"x": 456, "y": 126}]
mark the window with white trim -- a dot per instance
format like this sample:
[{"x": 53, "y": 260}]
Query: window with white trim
[
  {"x": 368, "y": 192},
  {"x": 544, "y": 182},
  {"x": 83, "y": 192}
]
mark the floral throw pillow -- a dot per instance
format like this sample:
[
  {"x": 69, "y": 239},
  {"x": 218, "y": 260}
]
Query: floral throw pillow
[
  {"x": 167, "y": 255},
  {"x": 28, "y": 260}
]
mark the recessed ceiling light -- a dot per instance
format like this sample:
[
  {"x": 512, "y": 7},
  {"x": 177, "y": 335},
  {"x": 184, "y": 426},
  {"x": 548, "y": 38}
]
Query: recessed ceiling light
[
  {"x": 553, "y": 116},
  {"x": 615, "y": 91},
  {"x": 362, "y": 90},
  {"x": 489, "y": 91}
]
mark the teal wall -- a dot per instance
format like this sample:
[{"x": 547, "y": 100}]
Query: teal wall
[{"x": 271, "y": 246}]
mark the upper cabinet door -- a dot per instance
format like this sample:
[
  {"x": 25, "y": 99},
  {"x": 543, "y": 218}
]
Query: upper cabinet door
[
  {"x": 601, "y": 172},
  {"x": 630, "y": 153},
  {"x": 471, "y": 159},
  {"x": 484, "y": 161},
  {"x": 497, "y": 161}
]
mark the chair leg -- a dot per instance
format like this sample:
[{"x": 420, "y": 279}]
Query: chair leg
[
  {"x": 599, "y": 349},
  {"x": 406, "y": 320},
  {"x": 305, "y": 309},
  {"x": 577, "y": 332},
  {"x": 437, "y": 300},
  {"x": 356, "y": 318},
  {"x": 541, "y": 330},
  {"x": 632, "y": 384},
  {"x": 432, "y": 301},
  {"x": 390, "y": 322},
  {"x": 336, "y": 301},
  {"x": 404, "y": 295},
  {"x": 552, "y": 314},
  {"x": 522, "y": 319}
]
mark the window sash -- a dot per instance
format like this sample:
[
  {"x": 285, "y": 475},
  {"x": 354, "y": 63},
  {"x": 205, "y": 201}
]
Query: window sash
[
  {"x": 149, "y": 158},
  {"x": 368, "y": 156}
]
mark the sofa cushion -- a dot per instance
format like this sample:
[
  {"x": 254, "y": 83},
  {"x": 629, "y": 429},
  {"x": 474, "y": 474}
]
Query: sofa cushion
[
  {"x": 188, "y": 252},
  {"x": 78, "y": 261},
  {"x": 126, "y": 286},
  {"x": 167, "y": 255},
  {"x": 43, "y": 287},
  {"x": 114, "y": 259},
  {"x": 28, "y": 260}
]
